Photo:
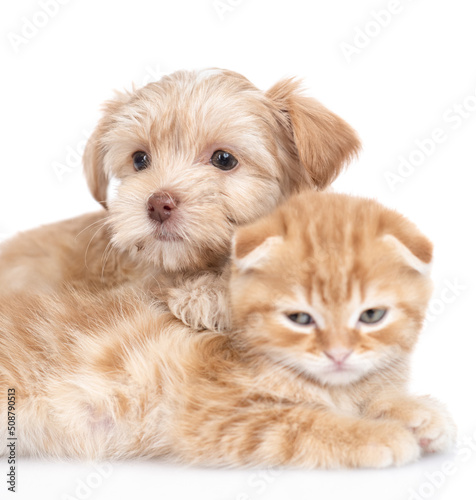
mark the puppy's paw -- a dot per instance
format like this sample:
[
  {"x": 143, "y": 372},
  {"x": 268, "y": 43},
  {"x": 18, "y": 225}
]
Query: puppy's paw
[
  {"x": 390, "y": 443},
  {"x": 201, "y": 303}
]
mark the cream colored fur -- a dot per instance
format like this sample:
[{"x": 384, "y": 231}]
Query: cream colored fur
[
  {"x": 114, "y": 375},
  {"x": 283, "y": 141}
]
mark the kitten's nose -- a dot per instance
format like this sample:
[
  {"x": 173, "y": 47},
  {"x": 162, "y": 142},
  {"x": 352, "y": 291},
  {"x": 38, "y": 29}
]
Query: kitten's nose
[
  {"x": 161, "y": 205},
  {"x": 338, "y": 354}
]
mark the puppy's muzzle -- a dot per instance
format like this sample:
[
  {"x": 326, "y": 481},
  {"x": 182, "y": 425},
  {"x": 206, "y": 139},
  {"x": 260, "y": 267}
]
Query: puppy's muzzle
[{"x": 160, "y": 206}]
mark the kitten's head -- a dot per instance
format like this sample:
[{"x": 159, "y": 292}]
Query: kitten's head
[
  {"x": 332, "y": 286},
  {"x": 198, "y": 153}
]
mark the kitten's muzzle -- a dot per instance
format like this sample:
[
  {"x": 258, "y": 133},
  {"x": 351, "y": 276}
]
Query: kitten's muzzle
[{"x": 338, "y": 355}]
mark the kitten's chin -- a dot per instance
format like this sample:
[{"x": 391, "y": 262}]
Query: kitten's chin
[
  {"x": 344, "y": 376},
  {"x": 327, "y": 374}
]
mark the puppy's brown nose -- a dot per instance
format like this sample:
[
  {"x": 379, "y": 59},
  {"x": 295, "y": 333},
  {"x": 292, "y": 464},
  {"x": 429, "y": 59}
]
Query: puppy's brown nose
[{"x": 160, "y": 206}]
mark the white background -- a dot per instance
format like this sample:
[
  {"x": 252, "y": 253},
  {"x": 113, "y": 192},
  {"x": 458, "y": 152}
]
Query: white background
[{"x": 402, "y": 86}]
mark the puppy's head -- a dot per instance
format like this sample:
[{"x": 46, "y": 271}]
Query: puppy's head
[{"x": 198, "y": 153}]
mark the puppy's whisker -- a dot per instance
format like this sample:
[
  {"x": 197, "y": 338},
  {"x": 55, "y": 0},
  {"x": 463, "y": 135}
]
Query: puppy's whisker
[
  {"x": 105, "y": 256},
  {"x": 103, "y": 222},
  {"x": 89, "y": 244}
]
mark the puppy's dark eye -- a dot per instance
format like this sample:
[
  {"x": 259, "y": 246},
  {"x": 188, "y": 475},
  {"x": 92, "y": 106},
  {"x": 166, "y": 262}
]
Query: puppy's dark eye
[
  {"x": 372, "y": 316},
  {"x": 301, "y": 318},
  {"x": 223, "y": 160},
  {"x": 141, "y": 160}
]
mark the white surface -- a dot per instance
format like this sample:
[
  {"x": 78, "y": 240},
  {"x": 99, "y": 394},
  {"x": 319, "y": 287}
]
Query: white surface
[{"x": 402, "y": 87}]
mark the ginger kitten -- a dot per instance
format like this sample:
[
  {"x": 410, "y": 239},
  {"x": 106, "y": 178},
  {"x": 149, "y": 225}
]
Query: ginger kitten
[{"x": 328, "y": 297}]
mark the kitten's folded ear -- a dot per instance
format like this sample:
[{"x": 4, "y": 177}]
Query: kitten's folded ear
[
  {"x": 325, "y": 143},
  {"x": 93, "y": 157},
  {"x": 254, "y": 243},
  {"x": 408, "y": 241}
]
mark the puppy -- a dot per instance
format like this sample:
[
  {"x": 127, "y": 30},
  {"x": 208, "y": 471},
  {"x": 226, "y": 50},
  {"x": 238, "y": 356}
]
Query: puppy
[{"x": 192, "y": 157}]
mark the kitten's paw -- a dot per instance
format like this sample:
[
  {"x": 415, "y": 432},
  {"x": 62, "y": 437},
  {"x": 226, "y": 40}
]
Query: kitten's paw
[
  {"x": 200, "y": 305},
  {"x": 427, "y": 418},
  {"x": 390, "y": 444},
  {"x": 433, "y": 426}
]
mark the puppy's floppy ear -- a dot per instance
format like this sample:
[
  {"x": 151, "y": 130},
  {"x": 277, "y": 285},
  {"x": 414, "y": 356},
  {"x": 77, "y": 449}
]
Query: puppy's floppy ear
[
  {"x": 325, "y": 143},
  {"x": 407, "y": 240},
  {"x": 93, "y": 156},
  {"x": 252, "y": 244}
]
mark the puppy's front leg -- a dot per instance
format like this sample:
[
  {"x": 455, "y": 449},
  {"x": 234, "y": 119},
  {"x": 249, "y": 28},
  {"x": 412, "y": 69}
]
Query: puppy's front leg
[{"x": 201, "y": 300}]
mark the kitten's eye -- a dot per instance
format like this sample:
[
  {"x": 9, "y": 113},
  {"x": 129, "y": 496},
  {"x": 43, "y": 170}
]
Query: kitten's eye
[
  {"x": 372, "y": 316},
  {"x": 301, "y": 318},
  {"x": 141, "y": 160},
  {"x": 223, "y": 160}
]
